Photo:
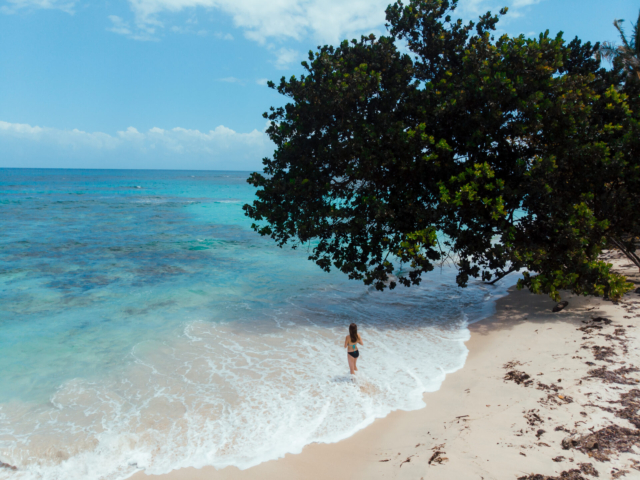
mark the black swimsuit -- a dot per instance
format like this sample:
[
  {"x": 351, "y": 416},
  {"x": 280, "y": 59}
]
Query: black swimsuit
[{"x": 355, "y": 353}]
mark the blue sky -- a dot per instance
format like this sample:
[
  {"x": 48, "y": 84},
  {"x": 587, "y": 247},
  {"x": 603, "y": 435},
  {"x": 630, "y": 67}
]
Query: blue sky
[{"x": 181, "y": 83}]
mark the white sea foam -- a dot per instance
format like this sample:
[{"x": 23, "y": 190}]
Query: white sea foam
[
  {"x": 155, "y": 331},
  {"x": 243, "y": 392}
]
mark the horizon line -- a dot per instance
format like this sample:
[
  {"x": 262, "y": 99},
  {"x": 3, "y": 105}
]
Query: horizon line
[{"x": 126, "y": 169}]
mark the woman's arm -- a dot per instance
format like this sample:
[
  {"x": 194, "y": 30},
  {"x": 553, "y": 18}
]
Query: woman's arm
[
  {"x": 360, "y": 340},
  {"x": 345, "y": 342}
]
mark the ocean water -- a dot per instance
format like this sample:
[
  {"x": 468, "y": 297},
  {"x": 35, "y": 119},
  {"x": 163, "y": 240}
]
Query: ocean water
[{"x": 144, "y": 326}]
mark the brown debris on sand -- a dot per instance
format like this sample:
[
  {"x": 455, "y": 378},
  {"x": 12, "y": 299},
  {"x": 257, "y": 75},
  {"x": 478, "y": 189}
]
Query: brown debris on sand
[
  {"x": 615, "y": 473},
  {"x": 603, "y": 353},
  {"x": 589, "y": 328},
  {"x": 588, "y": 469},
  {"x": 521, "y": 378},
  {"x": 603, "y": 443},
  {"x": 568, "y": 475},
  {"x": 631, "y": 403},
  {"x": 568, "y": 443},
  {"x": 533, "y": 418},
  {"x": 618, "y": 376},
  {"x": 511, "y": 364},
  {"x": 546, "y": 388},
  {"x": 437, "y": 457},
  {"x": 7, "y": 466},
  {"x": 595, "y": 324},
  {"x": 602, "y": 320},
  {"x": 555, "y": 399}
]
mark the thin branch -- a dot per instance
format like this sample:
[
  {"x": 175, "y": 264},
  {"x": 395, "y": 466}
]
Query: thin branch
[
  {"x": 511, "y": 270},
  {"x": 630, "y": 255}
]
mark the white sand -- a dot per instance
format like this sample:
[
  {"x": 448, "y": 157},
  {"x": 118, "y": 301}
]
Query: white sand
[{"x": 478, "y": 419}]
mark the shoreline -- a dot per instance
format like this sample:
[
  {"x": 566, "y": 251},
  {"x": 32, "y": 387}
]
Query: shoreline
[{"x": 481, "y": 423}]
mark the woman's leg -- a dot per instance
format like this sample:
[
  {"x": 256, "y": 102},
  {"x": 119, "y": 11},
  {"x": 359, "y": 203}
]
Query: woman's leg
[
  {"x": 355, "y": 364},
  {"x": 351, "y": 363}
]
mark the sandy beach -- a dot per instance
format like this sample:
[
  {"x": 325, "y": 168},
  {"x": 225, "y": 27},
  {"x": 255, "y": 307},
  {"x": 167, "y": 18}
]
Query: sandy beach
[
  {"x": 542, "y": 395},
  {"x": 206, "y": 204}
]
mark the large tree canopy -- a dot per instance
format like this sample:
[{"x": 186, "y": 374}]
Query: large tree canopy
[{"x": 501, "y": 154}]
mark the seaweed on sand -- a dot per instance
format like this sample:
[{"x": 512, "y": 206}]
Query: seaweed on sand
[
  {"x": 602, "y": 443},
  {"x": 616, "y": 376},
  {"x": 521, "y": 378},
  {"x": 602, "y": 353},
  {"x": 533, "y": 418},
  {"x": 601, "y": 320},
  {"x": 568, "y": 475},
  {"x": 631, "y": 403},
  {"x": 588, "y": 469}
]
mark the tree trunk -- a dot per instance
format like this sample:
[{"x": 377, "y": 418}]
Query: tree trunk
[{"x": 630, "y": 255}]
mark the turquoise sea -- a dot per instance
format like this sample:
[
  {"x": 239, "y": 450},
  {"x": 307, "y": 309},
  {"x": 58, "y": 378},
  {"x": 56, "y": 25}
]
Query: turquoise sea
[{"x": 145, "y": 326}]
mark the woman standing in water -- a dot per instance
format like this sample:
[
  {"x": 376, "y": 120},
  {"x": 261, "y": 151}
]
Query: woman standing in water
[{"x": 351, "y": 344}]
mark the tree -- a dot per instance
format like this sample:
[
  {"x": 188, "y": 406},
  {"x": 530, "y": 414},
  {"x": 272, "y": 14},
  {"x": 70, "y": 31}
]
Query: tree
[
  {"x": 500, "y": 154},
  {"x": 628, "y": 53}
]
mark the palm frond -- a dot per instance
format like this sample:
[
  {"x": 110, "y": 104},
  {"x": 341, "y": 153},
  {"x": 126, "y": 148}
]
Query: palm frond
[
  {"x": 628, "y": 53},
  {"x": 636, "y": 36},
  {"x": 608, "y": 51},
  {"x": 618, "y": 24},
  {"x": 633, "y": 62}
]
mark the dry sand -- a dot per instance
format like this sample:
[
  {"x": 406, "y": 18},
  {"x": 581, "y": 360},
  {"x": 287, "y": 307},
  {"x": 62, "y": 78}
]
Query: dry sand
[{"x": 482, "y": 424}]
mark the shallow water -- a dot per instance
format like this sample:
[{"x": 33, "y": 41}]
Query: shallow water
[{"x": 145, "y": 326}]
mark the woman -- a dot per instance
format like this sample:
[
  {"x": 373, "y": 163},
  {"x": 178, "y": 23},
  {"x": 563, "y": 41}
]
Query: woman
[{"x": 351, "y": 344}]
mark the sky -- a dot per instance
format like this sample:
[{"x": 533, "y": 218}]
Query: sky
[{"x": 181, "y": 84}]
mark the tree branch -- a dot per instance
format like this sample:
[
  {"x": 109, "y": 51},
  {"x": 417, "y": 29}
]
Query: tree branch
[
  {"x": 511, "y": 270},
  {"x": 630, "y": 255}
]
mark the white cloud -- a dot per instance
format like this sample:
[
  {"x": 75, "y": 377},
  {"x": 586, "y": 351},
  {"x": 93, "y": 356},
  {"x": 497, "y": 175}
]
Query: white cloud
[
  {"x": 220, "y": 147},
  {"x": 525, "y": 3},
  {"x": 67, "y": 138},
  {"x": 285, "y": 57},
  {"x": 471, "y": 8},
  {"x": 328, "y": 21},
  {"x": 14, "y": 5},
  {"x": 189, "y": 30},
  {"x": 324, "y": 20},
  {"x": 122, "y": 27},
  {"x": 119, "y": 26},
  {"x": 269, "y": 21},
  {"x": 262, "y": 81},
  {"x": 224, "y": 36}
]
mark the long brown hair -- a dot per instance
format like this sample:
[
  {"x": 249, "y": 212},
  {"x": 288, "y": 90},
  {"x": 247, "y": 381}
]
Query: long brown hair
[{"x": 353, "y": 332}]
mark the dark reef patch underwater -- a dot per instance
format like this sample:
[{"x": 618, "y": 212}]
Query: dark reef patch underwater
[{"x": 145, "y": 326}]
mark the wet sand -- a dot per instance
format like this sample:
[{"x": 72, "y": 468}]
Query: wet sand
[{"x": 541, "y": 393}]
